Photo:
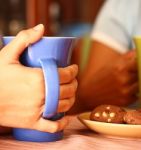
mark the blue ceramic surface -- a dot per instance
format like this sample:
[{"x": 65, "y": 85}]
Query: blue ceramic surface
[{"x": 48, "y": 54}]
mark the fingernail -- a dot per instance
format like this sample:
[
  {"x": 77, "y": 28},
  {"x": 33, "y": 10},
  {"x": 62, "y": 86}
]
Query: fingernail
[{"x": 38, "y": 27}]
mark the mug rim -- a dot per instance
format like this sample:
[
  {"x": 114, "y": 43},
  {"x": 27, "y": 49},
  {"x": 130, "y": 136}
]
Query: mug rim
[{"x": 48, "y": 37}]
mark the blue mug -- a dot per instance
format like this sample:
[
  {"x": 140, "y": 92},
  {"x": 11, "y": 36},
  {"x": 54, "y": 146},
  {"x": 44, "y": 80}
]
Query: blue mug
[{"x": 49, "y": 53}]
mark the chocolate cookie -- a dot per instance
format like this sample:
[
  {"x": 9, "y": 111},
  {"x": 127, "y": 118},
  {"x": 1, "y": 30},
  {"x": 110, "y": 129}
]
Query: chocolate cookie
[
  {"x": 108, "y": 113},
  {"x": 133, "y": 117}
]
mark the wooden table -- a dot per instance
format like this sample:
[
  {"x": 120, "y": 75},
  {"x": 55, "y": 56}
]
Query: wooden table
[{"x": 76, "y": 137}]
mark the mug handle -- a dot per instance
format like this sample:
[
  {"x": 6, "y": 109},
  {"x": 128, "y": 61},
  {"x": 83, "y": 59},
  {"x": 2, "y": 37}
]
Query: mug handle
[{"x": 51, "y": 77}]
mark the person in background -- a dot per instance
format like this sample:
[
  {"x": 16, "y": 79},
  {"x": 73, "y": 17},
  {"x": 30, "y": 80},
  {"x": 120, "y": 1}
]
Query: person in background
[
  {"x": 110, "y": 76},
  {"x": 22, "y": 94}
]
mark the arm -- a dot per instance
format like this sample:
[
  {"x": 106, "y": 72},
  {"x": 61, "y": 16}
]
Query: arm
[{"x": 109, "y": 78}]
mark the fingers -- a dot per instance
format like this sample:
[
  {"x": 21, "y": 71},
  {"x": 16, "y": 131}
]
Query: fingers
[
  {"x": 67, "y": 94},
  {"x": 68, "y": 90},
  {"x": 132, "y": 65},
  {"x": 132, "y": 78},
  {"x": 67, "y": 74},
  {"x": 126, "y": 101},
  {"x": 133, "y": 89},
  {"x": 51, "y": 126},
  {"x": 129, "y": 90},
  {"x": 130, "y": 54},
  {"x": 127, "y": 78},
  {"x": 131, "y": 61},
  {"x": 21, "y": 41},
  {"x": 127, "y": 63},
  {"x": 66, "y": 104}
]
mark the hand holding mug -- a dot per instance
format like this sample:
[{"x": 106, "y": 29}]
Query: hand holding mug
[{"x": 22, "y": 88}]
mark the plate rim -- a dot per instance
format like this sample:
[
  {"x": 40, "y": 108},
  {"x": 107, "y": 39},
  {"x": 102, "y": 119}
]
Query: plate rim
[{"x": 105, "y": 123}]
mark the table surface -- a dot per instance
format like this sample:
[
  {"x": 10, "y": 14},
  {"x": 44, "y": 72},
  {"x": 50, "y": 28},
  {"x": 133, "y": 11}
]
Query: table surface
[{"x": 76, "y": 137}]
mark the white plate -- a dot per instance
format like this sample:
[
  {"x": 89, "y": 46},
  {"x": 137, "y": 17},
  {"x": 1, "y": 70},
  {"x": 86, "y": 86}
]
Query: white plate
[{"x": 112, "y": 129}]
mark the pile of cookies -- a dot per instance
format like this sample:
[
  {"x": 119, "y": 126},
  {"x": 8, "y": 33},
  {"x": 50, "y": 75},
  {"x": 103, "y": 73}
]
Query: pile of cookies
[{"x": 116, "y": 114}]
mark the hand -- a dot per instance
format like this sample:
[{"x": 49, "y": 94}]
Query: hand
[
  {"x": 22, "y": 88},
  {"x": 116, "y": 83},
  {"x": 109, "y": 78},
  {"x": 125, "y": 79}
]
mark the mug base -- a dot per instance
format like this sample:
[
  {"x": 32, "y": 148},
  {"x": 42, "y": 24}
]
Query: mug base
[{"x": 36, "y": 136}]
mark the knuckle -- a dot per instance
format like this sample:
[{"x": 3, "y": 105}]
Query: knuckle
[
  {"x": 69, "y": 74},
  {"x": 66, "y": 108},
  {"x": 123, "y": 80},
  {"x": 72, "y": 101},
  {"x": 75, "y": 84},
  {"x": 69, "y": 103},
  {"x": 125, "y": 92},
  {"x": 119, "y": 68},
  {"x": 72, "y": 89},
  {"x": 65, "y": 105}
]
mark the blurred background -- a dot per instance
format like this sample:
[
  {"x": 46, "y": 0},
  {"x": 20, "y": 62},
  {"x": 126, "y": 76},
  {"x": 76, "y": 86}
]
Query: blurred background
[{"x": 60, "y": 17}]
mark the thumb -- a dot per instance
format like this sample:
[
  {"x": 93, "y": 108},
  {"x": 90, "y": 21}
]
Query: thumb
[{"x": 24, "y": 38}]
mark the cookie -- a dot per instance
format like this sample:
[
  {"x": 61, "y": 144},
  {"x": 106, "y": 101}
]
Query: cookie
[
  {"x": 108, "y": 113},
  {"x": 133, "y": 117}
]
